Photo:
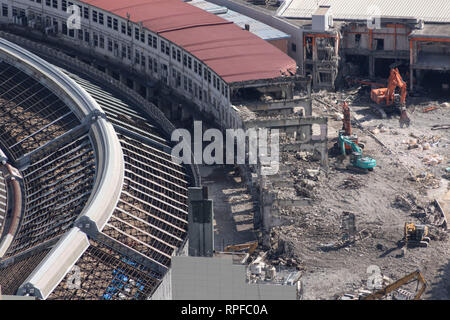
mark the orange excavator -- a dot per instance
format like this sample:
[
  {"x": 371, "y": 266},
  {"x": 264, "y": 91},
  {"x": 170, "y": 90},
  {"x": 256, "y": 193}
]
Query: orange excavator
[{"x": 388, "y": 96}]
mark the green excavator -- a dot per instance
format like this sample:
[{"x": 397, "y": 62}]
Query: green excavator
[{"x": 357, "y": 160}]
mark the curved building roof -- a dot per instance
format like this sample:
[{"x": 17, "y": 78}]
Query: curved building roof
[
  {"x": 101, "y": 192},
  {"x": 234, "y": 54}
]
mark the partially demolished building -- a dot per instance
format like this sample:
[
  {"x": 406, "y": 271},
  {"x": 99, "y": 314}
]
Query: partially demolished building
[{"x": 364, "y": 38}]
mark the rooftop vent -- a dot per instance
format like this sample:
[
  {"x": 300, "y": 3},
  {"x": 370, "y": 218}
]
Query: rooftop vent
[{"x": 322, "y": 19}]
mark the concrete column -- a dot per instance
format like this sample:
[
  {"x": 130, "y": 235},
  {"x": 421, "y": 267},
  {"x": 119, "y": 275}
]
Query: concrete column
[
  {"x": 200, "y": 229},
  {"x": 371, "y": 66},
  {"x": 411, "y": 78}
]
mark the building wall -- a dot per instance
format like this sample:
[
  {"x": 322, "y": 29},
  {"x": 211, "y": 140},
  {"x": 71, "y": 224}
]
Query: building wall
[
  {"x": 203, "y": 278},
  {"x": 141, "y": 49},
  {"x": 395, "y": 38},
  {"x": 281, "y": 44}
]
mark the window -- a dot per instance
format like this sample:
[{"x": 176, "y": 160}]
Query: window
[
  {"x": 163, "y": 46},
  {"x": 178, "y": 55},
  {"x": 129, "y": 52},
  {"x": 4, "y": 10},
  {"x": 55, "y": 25},
  {"x": 379, "y": 44},
  {"x": 174, "y": 53},
  {"x": 102, "y": 42},
  {"x": 200, "y": 95},
  {"x": 123, "y": 27},
  {"x": 94, "y": 16},
  {"x": 86, "y": 36},
  {"x": 209, "y": 76},
  {"x": 136, "y": 33},
  {"x": 143, "y": 37},
  {"x": 72, "y": 33},
  {"x": 55, "y": 4},
  {"x": 190, "y": 85},
  {"x": 64, "y": 5},
  {"x": 199, "y": 69},
  {"x": 142, "y": 60},
  {"x": 357, "y": 40},
  {"x": 80, "y": 34},
  {"x": 115, "y": 24},
  {"x": 185, "y": 83},
  {"x": 129, "y": 31},
  {"x": 184, "y": 60},
  {"x": 189, "y": 62},
  {"x": 178, "y": 83},
  {"x": 168, "y": 50},
  {"x": 150, "y": 63},
  {"x": 86, "y": 13},
  {"x": 124, "y": 51},
  {"x": 95, "y": 36},
  {"x": 155, "y": 42},
  {"x": 64, "y": 28},
  {"x": 137, "y": 57},
  {"x": 195, "y": 66},
  {"x": 110, "y": 45},
  {"x": 155, "y": 66},
  {"x": 109, "y": 22},
  {"x": 116, "y": 49},
  {"x": 294, "y": 47},
  {"x": 205, "y": 75},
  {"x": 100, "y": 18},
  {"x": 149, "y": 40},
  {"x": 47, "y": 3}
]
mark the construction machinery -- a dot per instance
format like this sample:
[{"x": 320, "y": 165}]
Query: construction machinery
[
  {"x": 417, "y": 275},
  {"x": 347, "y": 127},
  {"x": 357, "y": 160},
  {"x": 416, "y": 235},
  {"x": 389, "y": 97},
  {"x": 251, "y": 246}
]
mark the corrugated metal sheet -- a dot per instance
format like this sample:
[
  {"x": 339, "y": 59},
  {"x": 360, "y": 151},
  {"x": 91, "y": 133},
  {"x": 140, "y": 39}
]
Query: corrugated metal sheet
[
  {"x": 429, "y": 10},
  {"x": 258, "y": 28},
  {"x": 234, "y": 54}
]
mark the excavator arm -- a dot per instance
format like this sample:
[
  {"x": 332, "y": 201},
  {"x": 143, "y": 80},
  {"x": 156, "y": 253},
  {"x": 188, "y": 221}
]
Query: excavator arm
[
  {"x": 251, "y": 246},
  {"x": 353, "y": 145},
  {"x": 397, "y": 284},
  {"x": 395, "y": 80}
]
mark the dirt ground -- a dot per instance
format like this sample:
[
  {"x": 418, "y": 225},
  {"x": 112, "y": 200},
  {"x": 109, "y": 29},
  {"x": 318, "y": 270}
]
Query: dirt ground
[{"x": 382, "y": 201}]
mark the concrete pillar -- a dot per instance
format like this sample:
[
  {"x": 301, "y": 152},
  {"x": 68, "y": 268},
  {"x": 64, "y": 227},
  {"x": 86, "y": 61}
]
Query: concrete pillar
[
  {"x": 371, "y": 66},
  {"x": 411, "y": 78},
  {"x": 200, "y": 228}
]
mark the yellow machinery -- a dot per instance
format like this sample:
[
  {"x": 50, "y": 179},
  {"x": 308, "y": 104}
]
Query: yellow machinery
[
  {"x": 397, "y": 284},
  {"x": 416, "y": 235},
  {"x": 238, "y": 247}
]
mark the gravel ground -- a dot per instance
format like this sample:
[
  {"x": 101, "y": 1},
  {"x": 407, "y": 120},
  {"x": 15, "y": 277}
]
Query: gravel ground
[{"x": 382, "y": 201}]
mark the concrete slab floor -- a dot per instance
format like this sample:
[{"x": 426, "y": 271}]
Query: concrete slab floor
[{"x": 233, "y": 205}]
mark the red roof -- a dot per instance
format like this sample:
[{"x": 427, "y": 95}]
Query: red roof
[{"x": 234, "y": 54}]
